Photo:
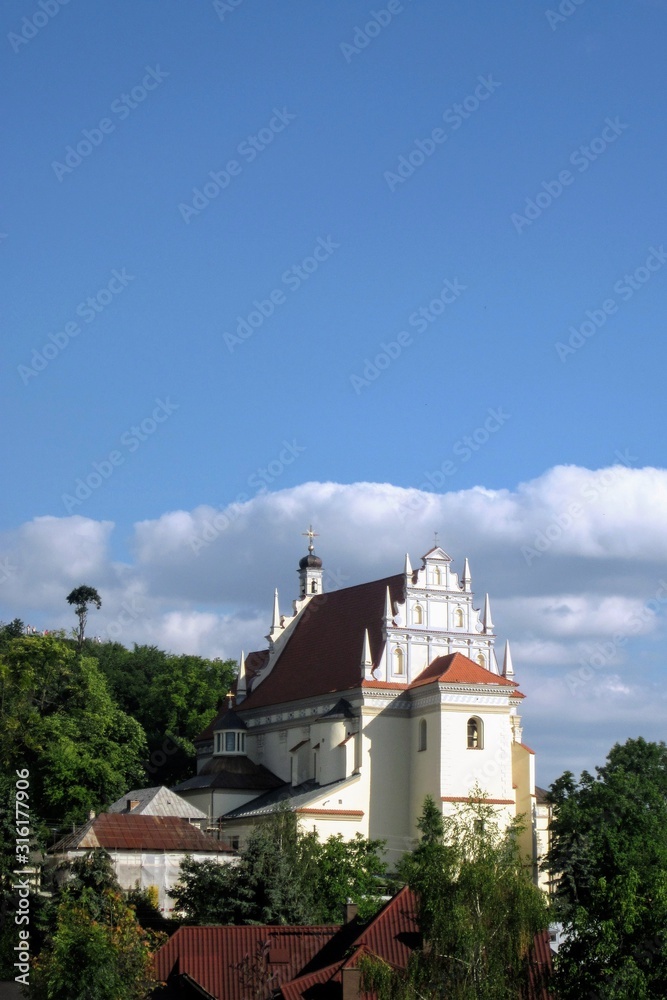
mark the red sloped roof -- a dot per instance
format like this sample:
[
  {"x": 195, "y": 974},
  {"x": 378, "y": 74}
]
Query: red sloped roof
[
  {"x": 129, "y": 832},
  {"x": 212, "y": 955},
  {"x": 459, "y": 669},
  {"x": 323, "y": 653}
]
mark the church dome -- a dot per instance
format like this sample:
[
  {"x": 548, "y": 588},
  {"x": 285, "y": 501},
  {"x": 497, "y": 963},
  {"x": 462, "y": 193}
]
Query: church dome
[{"x": 311, "y": 561}]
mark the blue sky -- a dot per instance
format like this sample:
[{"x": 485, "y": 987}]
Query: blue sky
[{"x": 558, "y": 116}]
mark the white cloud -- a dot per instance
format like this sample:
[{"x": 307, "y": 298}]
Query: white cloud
[{"x": 570, "y": 559}]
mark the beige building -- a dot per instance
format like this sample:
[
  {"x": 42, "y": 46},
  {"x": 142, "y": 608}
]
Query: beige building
[{"x": 366, "y": 700}]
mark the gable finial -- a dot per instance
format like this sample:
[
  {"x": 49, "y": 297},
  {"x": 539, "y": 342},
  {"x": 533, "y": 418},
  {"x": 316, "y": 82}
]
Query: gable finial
[{"x": 435, "y": 538}]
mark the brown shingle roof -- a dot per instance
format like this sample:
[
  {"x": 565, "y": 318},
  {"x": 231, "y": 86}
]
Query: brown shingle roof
[
  {"x": 323, "y": 654},
  {"x": 128, "y": 832}
]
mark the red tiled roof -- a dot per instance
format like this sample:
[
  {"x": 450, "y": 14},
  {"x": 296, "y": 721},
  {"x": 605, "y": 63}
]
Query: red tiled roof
[
  {"x": 130, "y": 832},
  {"x": 459, "y": 669},
  {"x": 212, "y": 955},
  {"x": 323, "y": 654}
]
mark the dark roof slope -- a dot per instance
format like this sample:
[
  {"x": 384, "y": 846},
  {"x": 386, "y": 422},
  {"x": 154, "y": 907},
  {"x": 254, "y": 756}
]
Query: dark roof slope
[
  {"x": 323, "y": 654},
  {"x": 129, "y": 832},
  {"x": 238, "y": 772}
]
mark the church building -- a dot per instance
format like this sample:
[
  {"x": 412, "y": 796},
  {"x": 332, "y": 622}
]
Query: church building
[{"x": 365, "y": 700}]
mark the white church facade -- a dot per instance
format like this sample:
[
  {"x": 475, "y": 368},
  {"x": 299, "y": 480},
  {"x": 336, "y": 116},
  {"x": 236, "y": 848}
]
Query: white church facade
[{"x": 367, "y": 699}]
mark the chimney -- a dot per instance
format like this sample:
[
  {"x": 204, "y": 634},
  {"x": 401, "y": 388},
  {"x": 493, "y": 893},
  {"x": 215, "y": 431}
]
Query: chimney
[
  {"x": 350, "y": 911},
  {"x": 351, "y": 983},
  {"x": 132, "y": 804}
]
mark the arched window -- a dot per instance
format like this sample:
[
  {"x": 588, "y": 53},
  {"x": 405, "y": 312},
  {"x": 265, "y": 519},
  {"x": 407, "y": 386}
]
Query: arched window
[
  {"x": 475, "y": 734},
  {"x": 422, "y": 734},
  {"x": 458, "y": 618},
  {"x": 313, "y": 587},
  {"x": 398, "y": 660},
  {"x": 418, "y": 615}
]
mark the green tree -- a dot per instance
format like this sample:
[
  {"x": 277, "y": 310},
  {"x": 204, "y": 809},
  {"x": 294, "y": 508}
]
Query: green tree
[
  {"x": 81, "y": 597},
  {"x": 609, "y": 863},
  {"x": 478, "y": 910},
  {"x": 98, "y": 952},
  {"x": 347, "y": 869},
  {"x": 283, "y": 877},
  {"x": 58, "y": 719},
  {"x": 172, "y": 697}
]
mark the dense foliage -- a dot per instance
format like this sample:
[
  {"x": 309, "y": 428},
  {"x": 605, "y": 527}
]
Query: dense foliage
[
  {"x": 283, "y": 877},
  {"x": 97, "y": 949},
  {"x": 609, "y": 860},
  {"x": 58, "y": 720},
  {"x": 478, "y": 910}
]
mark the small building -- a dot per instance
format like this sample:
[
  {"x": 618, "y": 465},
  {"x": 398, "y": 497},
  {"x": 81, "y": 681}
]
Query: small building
[
  {"x": 146, "y": 851},
  {"x": 158, "y": 801}
]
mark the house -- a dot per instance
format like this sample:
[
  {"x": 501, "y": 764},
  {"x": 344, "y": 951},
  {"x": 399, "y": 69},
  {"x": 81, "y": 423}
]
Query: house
[
  {"x": 145, "y": 850},
  {"x": 302, "y": 963},
  {"x": 365, "y": 700},
  {"x": 159, "y": 801}
]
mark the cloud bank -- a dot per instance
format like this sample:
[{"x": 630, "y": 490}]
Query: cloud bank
[{"x": 575, "y": 562}]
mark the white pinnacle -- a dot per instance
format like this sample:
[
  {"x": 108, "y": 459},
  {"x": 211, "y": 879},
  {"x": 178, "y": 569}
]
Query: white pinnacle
[
  {"x": 241, "y": 680},
  {"x": 508, "y": 668},
  {"x": 465, "y": 579},
  {"x": 486, "y": 620},
  {"x": 276, "y": 612}
]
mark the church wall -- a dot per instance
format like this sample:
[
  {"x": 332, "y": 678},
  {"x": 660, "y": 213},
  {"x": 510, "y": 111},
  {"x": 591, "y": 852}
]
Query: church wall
[
  {"x": 425, "y": 776},
  {"x": 523, "y": 761},
  {"x": 385, "y": 773},
  {"x": 489, "y": 766}
]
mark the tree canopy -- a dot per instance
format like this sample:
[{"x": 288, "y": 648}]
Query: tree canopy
[
  {"x": 97, "y": 950},
  {"x": 81, "y": 597},
  {"x": 609, "y": 863},
  {"x": 58, "y": 719},
  {"x": 283, "y": 877},
  {"x": 478, "y": 910}
]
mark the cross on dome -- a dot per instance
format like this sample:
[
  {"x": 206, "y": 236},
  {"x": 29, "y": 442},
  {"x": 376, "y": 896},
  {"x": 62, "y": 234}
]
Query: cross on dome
[{"x": 310, "y": 534}]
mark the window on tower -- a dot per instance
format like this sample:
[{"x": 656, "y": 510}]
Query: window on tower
[
  {"x": 475, "y": 734},
  {"x": 422, "y": 734}
]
